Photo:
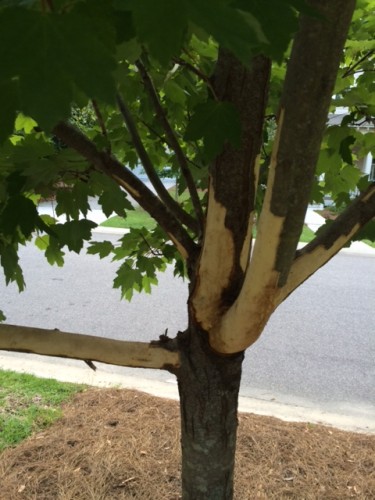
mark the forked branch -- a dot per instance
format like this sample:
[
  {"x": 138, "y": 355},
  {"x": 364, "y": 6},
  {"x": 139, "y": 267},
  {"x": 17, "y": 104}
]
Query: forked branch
[
  {"x": 153, "y": 176},
  {"x": 172, "y": 141},
  {"x": 308, "y": 87},
  {"x": 110, "y": 166},
  {"x": 321, "y": 249}
]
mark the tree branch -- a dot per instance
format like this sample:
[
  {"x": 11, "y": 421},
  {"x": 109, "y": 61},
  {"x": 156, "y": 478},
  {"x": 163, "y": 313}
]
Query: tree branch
[
  {"x": 198, "y": 73},
  {"x": 330, "y": 241},
  {"x": 153, "y": 176},
  {"x": 307, "y": 93},
  {"x": 172, "y": 141},
  {"x": 304, "y": 105},
  {"x": 351, "y": 68},
  {"x": 233, "y": 184},
  {"x": 87, "y": 348},
  {"x": 101, "y": 122},
  {"x": 110, "y": 166}
]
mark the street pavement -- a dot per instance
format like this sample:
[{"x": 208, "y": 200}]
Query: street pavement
[{"x": 314, "y": 362}]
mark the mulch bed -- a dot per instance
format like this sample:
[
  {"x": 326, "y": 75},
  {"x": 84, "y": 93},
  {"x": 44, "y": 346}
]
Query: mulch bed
[{"x": 121, "y": 444}]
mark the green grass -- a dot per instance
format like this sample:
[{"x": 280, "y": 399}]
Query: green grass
[
  {"x": 29, "y": 404},
  {"x": 371, "y": 243},
  {"x": 307, "y": 235},
  {"x": 136, "y": 219}
]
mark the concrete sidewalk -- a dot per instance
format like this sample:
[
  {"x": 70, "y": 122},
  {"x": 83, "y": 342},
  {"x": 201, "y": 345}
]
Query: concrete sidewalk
[
  {"x": 77, "y": 372},
  {"x": 312, "y": 220}
]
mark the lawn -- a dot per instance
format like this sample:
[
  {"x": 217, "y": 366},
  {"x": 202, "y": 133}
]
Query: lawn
[
  {"x": 136, "y": 219},
  {"x": 371, "y": 243},
  {"x": 29, "y": 404}
]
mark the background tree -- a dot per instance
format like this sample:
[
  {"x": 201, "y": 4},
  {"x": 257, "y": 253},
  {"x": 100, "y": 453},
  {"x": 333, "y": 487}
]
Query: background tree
[{"x": 215, "y": 95}]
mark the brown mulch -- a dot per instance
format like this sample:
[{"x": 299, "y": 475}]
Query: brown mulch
[{"x": 121, "y": 444}]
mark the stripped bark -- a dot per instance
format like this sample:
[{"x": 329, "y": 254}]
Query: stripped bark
[
  {"x": 320, "y": 250},
  {"x": 88, "y": 348},
  {"x": 309, "y": 83},
  {"x": 233, "y": 181}
]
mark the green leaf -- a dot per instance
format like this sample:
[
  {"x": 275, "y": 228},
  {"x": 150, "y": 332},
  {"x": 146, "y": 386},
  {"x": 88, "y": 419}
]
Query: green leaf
[
  {"x": 268, "y": 13},
  {"x": 161, "y": 25},
  {"x": 2, "y": 316},
  {"x": 74, "y": 233},
  {"x": 54, "y": 254},
  {"x": 101, "y": 248},
  {"x": 174, "y": 92},
  {"x": 12, "y": 271},
  {"x": 112, "y": 198},
  {"x": 72, "y": 201},
  {"x": 345, "y": 151},
  {"x": 216, "y": 123},
  {"x": 235, "y": 30},
  {"x": 8, "y": 105},
  {"x": 49, "y": 54},
  {"x": 42, "y": 242},
  {"x": 20, "y": 212},
  {"x": 25, "y": 123},
  {"x": 128, "y": 279}
]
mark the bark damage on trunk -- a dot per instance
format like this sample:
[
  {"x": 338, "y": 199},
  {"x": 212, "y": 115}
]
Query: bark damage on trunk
[
  {"x": 304, "y": 106},
  {"x": 233, "y": 183}
]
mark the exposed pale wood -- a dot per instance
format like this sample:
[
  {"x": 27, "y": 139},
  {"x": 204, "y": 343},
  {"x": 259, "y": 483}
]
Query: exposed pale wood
[
  {"x": 86, "y": 347},
  {"x": 304, "y": 105},
  {"x": 247, "y": 244},
  {"x": 309, "y": 84},
  {"x": 319, "y": 251},
  {"x": 233, "y": 183},
  {"x": 215, "y": 266},
  {"x": 242, "y": 324}
]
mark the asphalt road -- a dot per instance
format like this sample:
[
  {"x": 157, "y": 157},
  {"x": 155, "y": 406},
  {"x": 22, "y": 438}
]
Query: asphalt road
[{"x": 317, "y": 351}]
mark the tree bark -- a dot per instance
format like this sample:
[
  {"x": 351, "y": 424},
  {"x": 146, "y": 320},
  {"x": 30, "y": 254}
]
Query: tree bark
[{"x": 208, "y": 386}]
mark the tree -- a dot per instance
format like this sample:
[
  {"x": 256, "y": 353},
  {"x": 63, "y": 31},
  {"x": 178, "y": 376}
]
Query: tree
[{"x": 231, "y": 99}]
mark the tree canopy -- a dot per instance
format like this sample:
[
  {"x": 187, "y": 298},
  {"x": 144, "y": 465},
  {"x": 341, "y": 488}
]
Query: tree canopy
[{"x": 230, "y": 99}]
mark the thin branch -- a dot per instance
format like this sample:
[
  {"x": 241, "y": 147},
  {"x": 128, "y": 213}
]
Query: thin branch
[
  {"x": 110, "y": 166},
  {"x": 202, "y": 76},
  {"x": 87, "y": 347},
  {"x": 161, "y": 138},
  {"x": 330, "y": 241},
  {"x": 172, "y": 141},
  {"x": 351, "y": 68},
  {"x": 152, "y": 251},
  {"x": 101, "y": 122},
  {"x": 153, "y": 176}
]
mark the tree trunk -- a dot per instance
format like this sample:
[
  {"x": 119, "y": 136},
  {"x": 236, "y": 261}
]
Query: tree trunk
[{"x": 208, "y": 386}]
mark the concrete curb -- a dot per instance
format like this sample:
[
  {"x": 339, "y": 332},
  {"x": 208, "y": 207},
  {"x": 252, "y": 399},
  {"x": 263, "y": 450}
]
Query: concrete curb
[
  {"x": 168, "y": 390},
  {"x": 312, "y": 220}
]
